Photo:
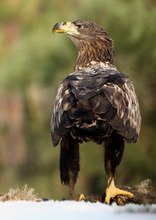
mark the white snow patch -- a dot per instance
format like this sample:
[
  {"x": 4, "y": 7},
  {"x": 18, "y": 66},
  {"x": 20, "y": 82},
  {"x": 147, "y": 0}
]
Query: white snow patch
[{"x": 70, "y": 210}]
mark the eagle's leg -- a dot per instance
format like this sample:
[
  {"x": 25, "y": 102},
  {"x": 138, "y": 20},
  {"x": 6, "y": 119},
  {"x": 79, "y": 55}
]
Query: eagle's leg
[
  {"x": 69, "y": 162},
  {"x": 114, "y": 148}
]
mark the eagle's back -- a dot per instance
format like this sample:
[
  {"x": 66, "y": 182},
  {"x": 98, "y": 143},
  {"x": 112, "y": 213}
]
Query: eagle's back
[{"x": 92, "y": 103}]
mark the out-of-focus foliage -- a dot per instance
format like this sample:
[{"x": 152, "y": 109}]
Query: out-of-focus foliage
[{"x": 32, "y": 64}]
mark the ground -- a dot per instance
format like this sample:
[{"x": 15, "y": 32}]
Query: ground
[
  {"x": 69, "y": 210},
  {"x": 25, "y": 204}
]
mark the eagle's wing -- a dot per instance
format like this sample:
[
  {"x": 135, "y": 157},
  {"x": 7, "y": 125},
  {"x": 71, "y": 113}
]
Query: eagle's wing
[{"x": 104, "y": 95}]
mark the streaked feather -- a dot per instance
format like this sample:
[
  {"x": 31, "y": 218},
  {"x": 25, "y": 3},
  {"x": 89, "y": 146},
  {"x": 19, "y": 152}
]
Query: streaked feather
[{"x": 94, "y": 100}]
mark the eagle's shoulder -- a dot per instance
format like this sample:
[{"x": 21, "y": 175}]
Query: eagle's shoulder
[
  {"x": 102, "y": 94},
  {"x": 87, "y": 82}
]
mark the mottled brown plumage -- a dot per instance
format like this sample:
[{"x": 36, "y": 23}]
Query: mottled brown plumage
[{"x": 94, "y": 103}]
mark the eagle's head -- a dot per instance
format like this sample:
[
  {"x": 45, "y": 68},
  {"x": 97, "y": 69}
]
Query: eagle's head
[{"x": 92, "y": 41}]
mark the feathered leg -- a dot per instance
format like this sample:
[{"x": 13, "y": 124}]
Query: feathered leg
[
  {"x": 114, "y": 148},
  {"x": 69, "y": 162}
]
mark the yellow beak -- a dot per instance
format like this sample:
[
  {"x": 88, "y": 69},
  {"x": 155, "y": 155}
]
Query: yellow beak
[{"x": 65, "y": 27}]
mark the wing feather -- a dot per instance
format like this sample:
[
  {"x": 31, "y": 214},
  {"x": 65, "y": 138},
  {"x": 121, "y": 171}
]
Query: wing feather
[{"x": 87, "y": 98}]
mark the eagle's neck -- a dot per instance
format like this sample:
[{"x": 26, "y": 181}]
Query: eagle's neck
[
  {"x": 99, "y": 51},
  {"x": 95, "y": 65}
]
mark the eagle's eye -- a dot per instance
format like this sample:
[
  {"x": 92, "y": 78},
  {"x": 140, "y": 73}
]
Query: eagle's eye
[{"x": 79, "y": 26}]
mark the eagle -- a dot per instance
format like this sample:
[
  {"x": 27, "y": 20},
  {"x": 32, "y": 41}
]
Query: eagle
[{"x": 95, "y": 102}]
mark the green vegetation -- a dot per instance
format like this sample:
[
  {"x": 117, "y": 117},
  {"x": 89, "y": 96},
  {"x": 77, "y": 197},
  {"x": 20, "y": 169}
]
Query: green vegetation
[{"x": 32, "y": 64}]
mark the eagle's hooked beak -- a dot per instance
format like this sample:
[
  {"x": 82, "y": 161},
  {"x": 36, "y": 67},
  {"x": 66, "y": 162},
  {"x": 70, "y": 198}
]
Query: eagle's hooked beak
[{"x": 65, "y": 27}]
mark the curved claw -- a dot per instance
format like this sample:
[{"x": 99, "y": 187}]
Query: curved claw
[
  {"x": 112, "y": 191},
  {"x": 81, "y": 197}
]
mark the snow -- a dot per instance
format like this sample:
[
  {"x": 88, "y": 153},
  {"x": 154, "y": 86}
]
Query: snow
[{"x": 70, "y": 210}]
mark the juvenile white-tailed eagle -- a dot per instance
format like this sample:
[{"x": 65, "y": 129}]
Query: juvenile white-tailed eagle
[{"x": 94, "y": 103}]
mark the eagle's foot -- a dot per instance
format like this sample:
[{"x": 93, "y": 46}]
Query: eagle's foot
[
  {"x": 82, "y": 197},
  {"x": 120, "y": 196}
]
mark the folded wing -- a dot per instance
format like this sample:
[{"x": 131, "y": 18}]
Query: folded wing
[{"x": 95, "y": 97}]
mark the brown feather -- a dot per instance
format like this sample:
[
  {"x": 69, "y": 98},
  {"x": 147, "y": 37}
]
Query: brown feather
[
  {"x": 111, "y": 100},
  {"x": 94, "y": 103}
]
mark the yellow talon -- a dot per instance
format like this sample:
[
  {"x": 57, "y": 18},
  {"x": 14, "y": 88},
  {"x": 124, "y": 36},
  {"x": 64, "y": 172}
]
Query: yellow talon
[
  {"x": 112, "y": 191},
  {"x": 81, "y": 197}
]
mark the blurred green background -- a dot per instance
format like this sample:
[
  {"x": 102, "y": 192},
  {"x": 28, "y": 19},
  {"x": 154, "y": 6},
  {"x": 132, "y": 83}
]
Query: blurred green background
[{"x": 32, "y": 64}]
